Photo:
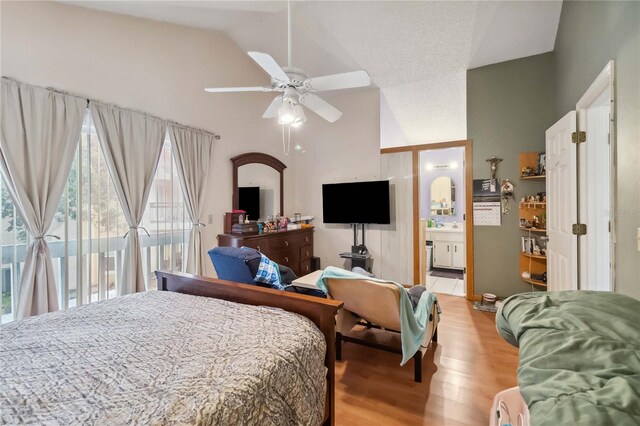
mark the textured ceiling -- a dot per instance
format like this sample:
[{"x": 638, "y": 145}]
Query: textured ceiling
[{"x": 416, "y": 52}]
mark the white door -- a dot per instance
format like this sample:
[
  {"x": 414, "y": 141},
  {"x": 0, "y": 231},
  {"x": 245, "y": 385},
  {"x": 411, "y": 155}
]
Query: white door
[
  {"x": 561, "y": 205},
  {"x": 596, "y": 171},
  {"x": 441, "y": 254},
  {"x": 457, "y": 258}
]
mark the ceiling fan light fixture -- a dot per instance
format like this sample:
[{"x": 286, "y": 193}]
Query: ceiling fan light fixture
[
  {"x": 298, "y": 116},
  {"x": 286, "y": 113}
]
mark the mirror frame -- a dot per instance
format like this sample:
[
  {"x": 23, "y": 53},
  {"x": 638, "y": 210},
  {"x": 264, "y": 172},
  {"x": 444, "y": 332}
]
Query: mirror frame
[{"x": 259, "y": 158}]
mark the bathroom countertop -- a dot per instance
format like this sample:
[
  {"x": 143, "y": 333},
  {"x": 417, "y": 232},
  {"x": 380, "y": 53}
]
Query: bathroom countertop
[{"x": 445, "y": 229}]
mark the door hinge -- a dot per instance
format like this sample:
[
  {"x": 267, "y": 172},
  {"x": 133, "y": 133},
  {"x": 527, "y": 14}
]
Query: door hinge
[
  {"x": 578, "y": 137},
  {"x": 579, "y": 229}
]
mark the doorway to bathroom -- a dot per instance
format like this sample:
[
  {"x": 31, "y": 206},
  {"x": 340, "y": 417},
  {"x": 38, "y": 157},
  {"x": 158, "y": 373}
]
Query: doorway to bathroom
[
  {"x": 442, "y": 212},
  {"x": 404, "y": 247}
]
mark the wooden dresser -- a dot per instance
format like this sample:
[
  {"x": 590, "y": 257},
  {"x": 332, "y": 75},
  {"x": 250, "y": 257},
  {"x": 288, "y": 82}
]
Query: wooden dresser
[{"x": 293, "y": 249}]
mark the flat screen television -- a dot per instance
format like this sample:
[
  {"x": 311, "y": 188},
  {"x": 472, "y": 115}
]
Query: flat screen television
[
  {"x": 356, "y": 202},
  {"x": 249, "y": 201}
]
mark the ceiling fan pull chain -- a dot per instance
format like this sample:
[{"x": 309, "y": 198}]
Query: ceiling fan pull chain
[{"x": 286, "y": 144}]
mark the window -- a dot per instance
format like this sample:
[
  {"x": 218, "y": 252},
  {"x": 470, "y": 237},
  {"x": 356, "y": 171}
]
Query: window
[
  {"x": 13, "y": 242},
  {"x": 88, "y": 257}
]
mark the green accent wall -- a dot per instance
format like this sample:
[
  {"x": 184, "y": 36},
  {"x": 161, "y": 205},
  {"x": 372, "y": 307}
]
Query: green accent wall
[
  {"x": 509, "y": 107},
  {"x": 589, "y": 35},
  {"x": 511, "y": 104}
]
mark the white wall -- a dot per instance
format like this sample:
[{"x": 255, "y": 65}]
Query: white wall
[
  {"x": 345, "y": 151},
  {"x": 162, "y": 68},
  {"x": 391, "y": 134},
  {"x": 152, "y": 66}
]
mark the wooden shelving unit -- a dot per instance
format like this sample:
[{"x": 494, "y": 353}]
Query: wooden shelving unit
[
  {"x": 533, "y": 204},
  {"x": 530, "y": 160},
  {"x": 535, "y": 282},
  {"x": 533, "y": 256},
  {"x": 532, "y": 263},
  {"x": 522, "y": 228}
]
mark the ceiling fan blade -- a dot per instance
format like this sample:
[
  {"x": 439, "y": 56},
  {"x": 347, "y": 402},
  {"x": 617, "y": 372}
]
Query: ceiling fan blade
[
  {"x": 345, "y": 80},
  {"x": 269, "y": 65},
  {"x": 320, "y": 107},
  {"x": 237, "y": 89},
  {"x": 274, "y": 106}
]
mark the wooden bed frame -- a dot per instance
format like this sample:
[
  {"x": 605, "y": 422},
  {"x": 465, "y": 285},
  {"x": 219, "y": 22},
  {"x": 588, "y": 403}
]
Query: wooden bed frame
[{"x": 321, "y": 311}]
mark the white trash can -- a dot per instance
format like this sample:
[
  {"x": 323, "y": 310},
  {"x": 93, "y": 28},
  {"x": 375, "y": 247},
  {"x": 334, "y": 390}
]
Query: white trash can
[{"x": 429, "y": 260}]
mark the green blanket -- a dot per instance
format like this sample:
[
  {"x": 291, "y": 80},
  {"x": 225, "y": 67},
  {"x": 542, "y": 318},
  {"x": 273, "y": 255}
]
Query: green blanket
[
  {"x": 579, "y": 356},
  {"x": 413, "y": 322}
]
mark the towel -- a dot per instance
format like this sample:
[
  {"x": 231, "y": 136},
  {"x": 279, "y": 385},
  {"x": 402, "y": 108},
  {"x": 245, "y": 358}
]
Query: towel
[{"x": 413, "y": 322}]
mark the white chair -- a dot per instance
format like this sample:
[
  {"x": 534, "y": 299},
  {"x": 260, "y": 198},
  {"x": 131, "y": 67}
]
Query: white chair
[{"x": 374, "y": 305}]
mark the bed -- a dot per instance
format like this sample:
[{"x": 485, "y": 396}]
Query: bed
[
  {"x": 579, "y": 356},
  {"x": 186, "y": 354}
]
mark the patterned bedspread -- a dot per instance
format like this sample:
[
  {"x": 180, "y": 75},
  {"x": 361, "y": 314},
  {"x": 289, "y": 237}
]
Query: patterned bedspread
[{"x": 163, "y": 358}]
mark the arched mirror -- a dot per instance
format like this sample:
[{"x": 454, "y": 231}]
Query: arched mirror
[
  {"x": 258, "y": 185},
  {"x": 443, "y": 197}
]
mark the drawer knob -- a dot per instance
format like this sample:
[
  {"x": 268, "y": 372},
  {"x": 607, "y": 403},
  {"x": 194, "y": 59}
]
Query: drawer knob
[
  {"x": 307, "y": 252},
  {"x": 258, "y": 248},
  {"x": 286, "y": 259},
  {"x": 306, "y": 239},
  {"x": 306, "y": 268},
  {"x": 286, "y": 243}
]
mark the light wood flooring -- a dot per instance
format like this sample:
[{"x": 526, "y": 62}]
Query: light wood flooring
[{"x": 461, "y": 374}]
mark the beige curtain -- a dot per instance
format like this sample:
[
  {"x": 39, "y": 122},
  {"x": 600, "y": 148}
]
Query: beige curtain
[
  {"x": 131, "y": 143},
  {"x": 192, "y": 152},
  {"x": 40, "y": 130}
]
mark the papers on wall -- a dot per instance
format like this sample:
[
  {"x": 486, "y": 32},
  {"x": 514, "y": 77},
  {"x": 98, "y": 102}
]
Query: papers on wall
[{"x": 486, "y": 203}]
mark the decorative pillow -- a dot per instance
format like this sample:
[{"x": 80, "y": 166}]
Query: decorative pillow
[{"x": 268, "y": 272}]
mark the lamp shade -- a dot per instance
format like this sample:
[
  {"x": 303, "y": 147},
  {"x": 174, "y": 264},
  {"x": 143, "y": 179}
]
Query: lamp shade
[
  {"x": 286, "y": 113},
  {"x": 298, "y": 115}
]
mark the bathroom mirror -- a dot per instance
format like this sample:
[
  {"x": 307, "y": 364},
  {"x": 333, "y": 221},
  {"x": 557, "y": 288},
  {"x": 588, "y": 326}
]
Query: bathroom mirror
[
  {"x": 443, "y": 197},
  {"x": 258, "y": 185}
]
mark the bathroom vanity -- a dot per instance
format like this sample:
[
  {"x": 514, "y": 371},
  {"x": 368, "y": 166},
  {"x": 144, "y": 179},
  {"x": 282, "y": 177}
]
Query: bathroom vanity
[{"x": 448, "y": 247}]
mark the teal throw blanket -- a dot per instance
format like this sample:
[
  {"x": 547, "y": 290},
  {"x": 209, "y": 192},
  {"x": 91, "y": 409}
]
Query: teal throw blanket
[{"x": 413, "y": 322}]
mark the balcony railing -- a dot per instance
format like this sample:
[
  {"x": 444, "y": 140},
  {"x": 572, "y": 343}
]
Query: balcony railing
[{"x": 100, "y": 266}]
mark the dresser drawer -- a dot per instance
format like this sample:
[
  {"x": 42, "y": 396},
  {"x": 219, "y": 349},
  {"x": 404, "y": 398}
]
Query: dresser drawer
[
  {"x": 287, "y": 258},
  {"x": 306, "y": 252},
  {"x": 283, "y": 242},
  {"x": 305, "y": 267},
  {"x": 260, "y": 244},
  {"x": 296, "y": 240}
]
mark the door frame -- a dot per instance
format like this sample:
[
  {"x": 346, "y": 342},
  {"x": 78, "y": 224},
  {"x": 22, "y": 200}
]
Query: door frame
[{"x": 467, "y": 144}]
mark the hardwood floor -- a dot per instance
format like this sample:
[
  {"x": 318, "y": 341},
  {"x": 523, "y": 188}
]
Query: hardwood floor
[{"x": 468, "y": 365}]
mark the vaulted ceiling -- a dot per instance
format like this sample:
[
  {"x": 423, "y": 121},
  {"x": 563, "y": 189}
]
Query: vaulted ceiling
[{"x": 417, "y": 53}]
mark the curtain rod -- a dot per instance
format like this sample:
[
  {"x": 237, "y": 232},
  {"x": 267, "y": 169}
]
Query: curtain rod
[{"x": 89, "y": 100}]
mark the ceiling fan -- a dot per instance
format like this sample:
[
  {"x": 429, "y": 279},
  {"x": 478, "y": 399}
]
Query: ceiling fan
[{"x": 297, "y": 88}]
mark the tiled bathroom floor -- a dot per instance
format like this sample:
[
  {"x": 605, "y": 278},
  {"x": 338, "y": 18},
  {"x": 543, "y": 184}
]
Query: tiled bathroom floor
[{"x": 450, "y": 286}]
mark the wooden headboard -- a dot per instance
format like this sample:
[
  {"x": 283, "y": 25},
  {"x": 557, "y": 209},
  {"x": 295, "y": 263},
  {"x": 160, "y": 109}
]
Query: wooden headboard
[{"x": 321, "y": 311}]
